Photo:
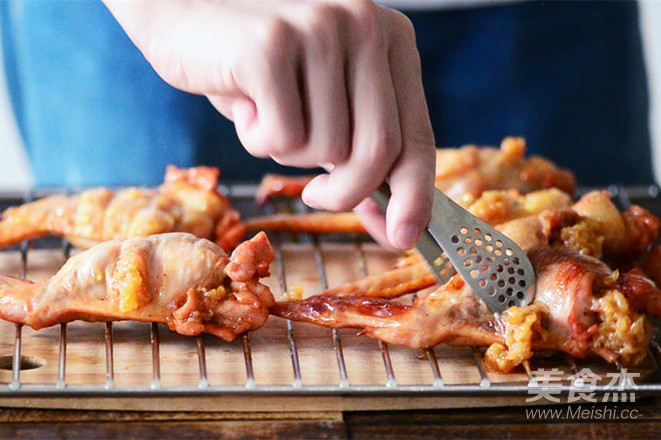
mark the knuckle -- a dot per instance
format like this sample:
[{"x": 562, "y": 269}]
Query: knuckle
[
  {"x": 322, "y": 17},
  {"x": 364, "y": 8},
  {"x": 274, "y": 38},
  {"x": 366, "y": 16},
  {"x": 404, "y": 27},
  {"x": 400, "y": 22},
  {"x": 285, "y": 145},
  {"x": 256, "y": 149},
  {"x": 335, "y": 152},
  {"x": 324, "y": 28},
  {"x": 384, "y": 149}
]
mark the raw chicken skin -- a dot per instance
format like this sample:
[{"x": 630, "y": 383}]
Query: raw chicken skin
[
  {"x": 186, "y": 282},
  {"x": 187, "y": 201}
]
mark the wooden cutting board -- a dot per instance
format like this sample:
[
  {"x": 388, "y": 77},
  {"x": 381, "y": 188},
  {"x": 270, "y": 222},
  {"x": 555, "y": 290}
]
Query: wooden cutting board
[{"x": 86, "y": 362}]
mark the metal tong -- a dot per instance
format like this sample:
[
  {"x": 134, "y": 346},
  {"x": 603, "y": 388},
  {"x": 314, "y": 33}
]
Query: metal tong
[{"x": 491, "y": 264}]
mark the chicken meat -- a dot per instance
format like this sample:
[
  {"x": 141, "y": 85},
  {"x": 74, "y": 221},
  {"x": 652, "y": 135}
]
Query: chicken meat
[
  {"x": 187, "y": 201},
  {"x": 178, "y": 279},
  {"x": 583, "y": 306}
]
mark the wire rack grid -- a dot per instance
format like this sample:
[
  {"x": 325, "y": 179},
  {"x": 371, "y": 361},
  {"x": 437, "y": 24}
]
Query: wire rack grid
[{"x": 17, "y": 361}]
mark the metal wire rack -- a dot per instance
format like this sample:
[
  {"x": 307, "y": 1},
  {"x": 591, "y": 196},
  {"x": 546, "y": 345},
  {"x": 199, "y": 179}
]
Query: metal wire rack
[{"x": 437, "y": 386}]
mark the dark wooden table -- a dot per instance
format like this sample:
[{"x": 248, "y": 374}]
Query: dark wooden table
[{"x": 639, "y": 420}]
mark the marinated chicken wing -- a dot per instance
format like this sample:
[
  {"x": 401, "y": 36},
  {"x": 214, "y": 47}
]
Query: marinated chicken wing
[
  {"x": 585, "y": 228},
  {"x": 593, "y": 226},
  {"x": 312, "y": 223},
  {"x": 493, "y": 206},
  {"x": 652, "y": 265},
  {"x": 582, "y": 306},
  {"x": 464, "y": 173},
  {"x": 471, "y": 170},
  {"x": 187, "y": 201},
  {"x": 178, "y": 279},
  {"x": 279, "y": 185}
]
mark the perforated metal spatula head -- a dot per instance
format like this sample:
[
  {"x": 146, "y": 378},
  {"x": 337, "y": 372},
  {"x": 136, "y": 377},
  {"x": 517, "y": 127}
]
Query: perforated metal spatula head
[{"x": 491, "y": 264}]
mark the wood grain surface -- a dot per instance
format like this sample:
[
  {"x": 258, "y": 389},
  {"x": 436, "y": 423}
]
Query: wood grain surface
[{"x": 460, "y": 423}]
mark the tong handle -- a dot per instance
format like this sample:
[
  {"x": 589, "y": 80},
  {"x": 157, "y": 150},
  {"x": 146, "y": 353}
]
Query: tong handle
[
  {"x": 381, "y": 196},
  {"x": 427, "y": 245}
]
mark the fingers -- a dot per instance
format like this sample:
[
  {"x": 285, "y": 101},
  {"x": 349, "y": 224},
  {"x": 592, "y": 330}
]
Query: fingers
[
  {"x": 325, "y": 104},
  {"x": 375, "y": 139},
  {"x": 410, "y": 205},
  {"x": 412, "y": 176},
  {"x": 300, "y": 115},
  {"x": 396, "y": 141},
  {"x": 271, "y": 120},
  {"x": 374, "y": 221}
]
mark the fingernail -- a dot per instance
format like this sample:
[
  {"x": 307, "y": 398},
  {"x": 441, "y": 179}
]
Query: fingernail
[{"x": 406, "y": 236}]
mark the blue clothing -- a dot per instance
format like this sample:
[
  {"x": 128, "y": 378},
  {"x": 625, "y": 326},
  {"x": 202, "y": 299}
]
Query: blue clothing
[{"x": 568, "y": 76}]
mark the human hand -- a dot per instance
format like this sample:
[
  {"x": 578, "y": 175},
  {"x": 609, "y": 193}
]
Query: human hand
[{"x": 326, "y": 83}]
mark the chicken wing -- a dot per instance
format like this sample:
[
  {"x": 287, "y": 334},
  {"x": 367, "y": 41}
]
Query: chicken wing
[
  {"x": 581, "y": 308},
  {"x": 588, "y": 234},
  {"x": 187, "y": 201},
  {"x": 493, "y": 206},
  {"x": 312, "y": 223},
  {"x": 471, "y": 170},
  {"x": 464, "y": 172},
  {"x": 178, "y": 279},
  {"x": 279, "y": 185}
]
